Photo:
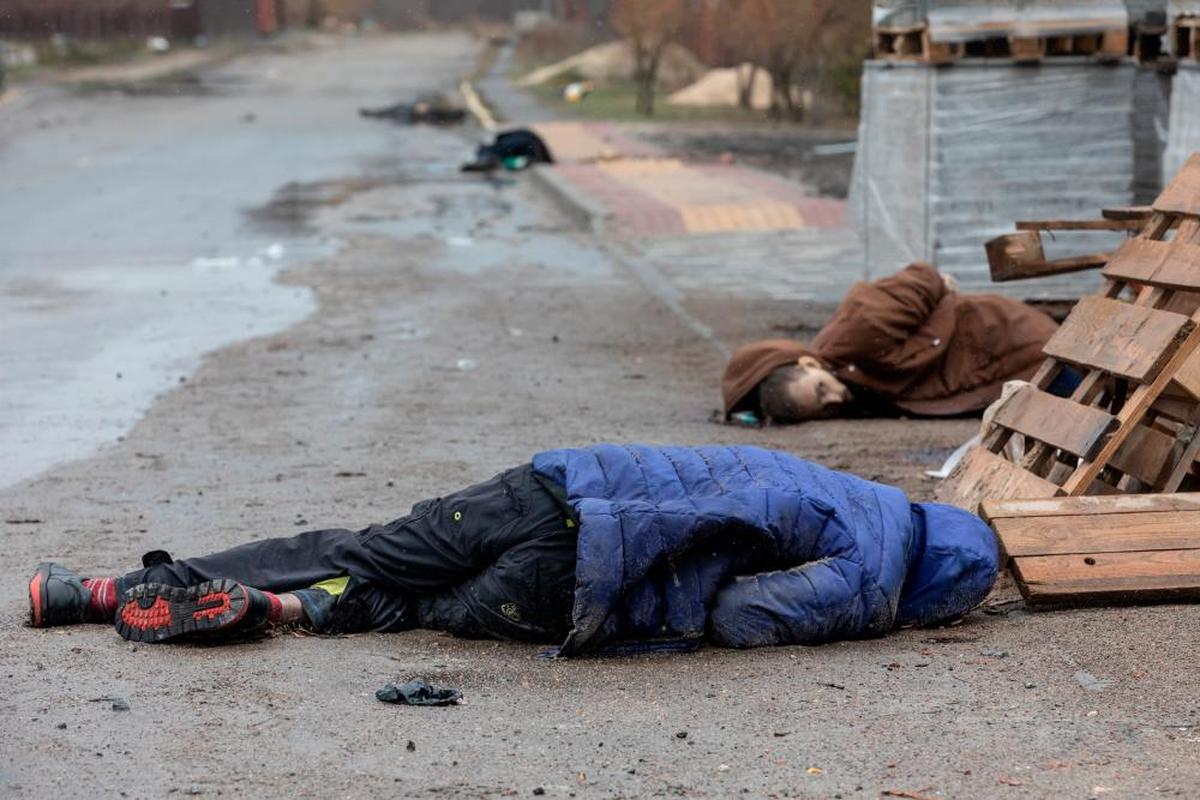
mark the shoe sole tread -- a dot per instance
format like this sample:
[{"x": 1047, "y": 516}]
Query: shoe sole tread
[{"x": 154, "y": 612}]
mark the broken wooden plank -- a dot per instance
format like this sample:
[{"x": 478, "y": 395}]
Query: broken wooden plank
[
  {"x": 1078, "y": 429},
  {"x": 1123, "y": 339},
  {"x": 1100, "y": 533},
  {"x": 983, "y": 475},
  {"x": 1086, "y": 506},
  {"x": 1129, "y": 577},
  {"x": 1182, "y": 195},
  {"x": 1015, "y": 256},
  {"x": 1168, "y": 265}
]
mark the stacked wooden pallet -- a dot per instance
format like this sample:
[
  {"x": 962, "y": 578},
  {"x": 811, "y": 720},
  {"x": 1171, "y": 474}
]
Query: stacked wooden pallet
[
  {"x": 1089, "y": 511},
  {"x": 916, "y": 43},
  {"x": 1132, "y": 425},
  {"x": 1185, "y": 37}
]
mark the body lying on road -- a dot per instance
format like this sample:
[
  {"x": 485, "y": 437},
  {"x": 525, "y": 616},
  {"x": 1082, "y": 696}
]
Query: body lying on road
[
  {"x": 909, "y": 343},
  {"x": 598, "y": 549},
  {"x": 512, "y": 150}
]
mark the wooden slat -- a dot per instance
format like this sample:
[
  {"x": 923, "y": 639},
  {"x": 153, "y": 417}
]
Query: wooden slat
[
  {"x": 1146, "y": 455},
  {"x": 1179, "y": 408},
  {"x": 1141, "y": 576},
  {"x": 1130, "y": 224},
  {"x": 1026, "y": 49},
  {"x": 1120, "y": 338},
  {"x": 1115, "y": 43},
  {"x": 1134, "y": 213},
  {"x": 1069, "y": 426},
  {"x": 1187, "y": 377},
  {"x": 994, "y": 510},
  {"x": 1182, "y": 196},
  {"x": 983, "y": 475},
  {"x": 1183, "y": 467},
  {"x": 1100, "y": 533},
  {"x": 1170, "y": 265},
  {"x": 940, "y": 52}
]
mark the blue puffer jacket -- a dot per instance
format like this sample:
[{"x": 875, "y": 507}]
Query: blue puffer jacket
[{"x": 753, "y": 547}]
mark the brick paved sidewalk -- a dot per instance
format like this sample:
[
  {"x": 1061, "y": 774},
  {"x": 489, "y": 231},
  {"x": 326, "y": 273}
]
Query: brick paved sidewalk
[
  {"x": 663, "y": 196},
  {"x": 573, "y": 142}
]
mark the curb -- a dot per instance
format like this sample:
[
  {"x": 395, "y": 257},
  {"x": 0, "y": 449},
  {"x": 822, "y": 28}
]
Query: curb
[{"x": 585, "y": 212}]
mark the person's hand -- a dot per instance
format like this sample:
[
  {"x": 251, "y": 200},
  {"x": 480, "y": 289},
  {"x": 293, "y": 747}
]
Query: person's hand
[{"x": 950, "y": 282}]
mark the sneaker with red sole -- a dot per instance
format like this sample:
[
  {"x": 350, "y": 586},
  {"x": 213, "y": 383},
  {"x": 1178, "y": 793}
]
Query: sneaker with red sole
[
  {"x": 57, "y": 596},
  {"x": 153, "y": 612}
]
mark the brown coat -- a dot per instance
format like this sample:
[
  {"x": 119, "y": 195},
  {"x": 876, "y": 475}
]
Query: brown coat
[{"x": 906, "y": 338}]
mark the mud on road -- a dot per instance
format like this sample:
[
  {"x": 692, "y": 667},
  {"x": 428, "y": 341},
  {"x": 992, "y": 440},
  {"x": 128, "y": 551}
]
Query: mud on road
[{"x": 462, "y": 326}]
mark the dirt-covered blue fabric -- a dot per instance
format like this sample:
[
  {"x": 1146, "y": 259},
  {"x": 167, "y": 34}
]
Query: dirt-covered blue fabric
[{"x": 747, "y": 547}]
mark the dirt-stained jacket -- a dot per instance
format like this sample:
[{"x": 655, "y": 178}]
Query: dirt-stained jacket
[{"x": 907, "y": 338}]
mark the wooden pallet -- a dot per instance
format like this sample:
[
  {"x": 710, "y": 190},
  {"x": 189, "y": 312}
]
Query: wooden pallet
[
  {"x": 1185, "y": 37},
  {"x": 1133, "y": 423},
  {"x": 913, "y": 43},
  {"x": 1078, "y": 550}
]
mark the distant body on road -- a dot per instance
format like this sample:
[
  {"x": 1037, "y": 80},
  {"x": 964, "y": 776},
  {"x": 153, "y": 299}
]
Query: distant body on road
[{"x": 597, "y": 549}]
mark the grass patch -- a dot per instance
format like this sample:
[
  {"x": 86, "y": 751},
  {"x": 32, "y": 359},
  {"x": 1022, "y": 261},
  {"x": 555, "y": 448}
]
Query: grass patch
[
  {"x": 176, "y": 83},
  {"x": 616, "y": 104},
  {"x": 86, "y": 53}
]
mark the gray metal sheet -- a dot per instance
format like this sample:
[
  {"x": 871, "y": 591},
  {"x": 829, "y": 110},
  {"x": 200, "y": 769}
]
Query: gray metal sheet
[
  {"x": 899, "y": 13},
  {"x": 1184, "y": 131},
  {"x": 1183, "y": 8},
  {"x": 1148, "y": 11},
  {"x": 951, "y": 157}
]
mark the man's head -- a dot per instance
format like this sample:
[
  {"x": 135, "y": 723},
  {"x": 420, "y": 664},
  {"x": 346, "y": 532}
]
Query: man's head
[{"x": 802, "y": 391}]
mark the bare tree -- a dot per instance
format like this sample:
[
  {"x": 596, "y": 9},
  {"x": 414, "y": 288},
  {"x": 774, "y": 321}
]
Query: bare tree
[
  {"x": 649, "y": 25},
  {"x": 739, "y": 34},
  {"x": 790, "y": 40}
]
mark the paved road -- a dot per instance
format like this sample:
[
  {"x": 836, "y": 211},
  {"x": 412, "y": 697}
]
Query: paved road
[{"x": 460, "y": 326}]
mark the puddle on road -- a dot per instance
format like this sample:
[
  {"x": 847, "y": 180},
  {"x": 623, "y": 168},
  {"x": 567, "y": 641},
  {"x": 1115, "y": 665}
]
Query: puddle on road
[
  {"x": 170, "y": 315},
  {"x": 291, "y": 210},
  {"x": 293, "y": 206},
  {"x": 481, "y": 226}
]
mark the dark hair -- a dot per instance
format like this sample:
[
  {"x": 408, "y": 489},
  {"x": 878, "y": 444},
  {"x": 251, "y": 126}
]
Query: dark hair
[{"x": 775, "y": 401}]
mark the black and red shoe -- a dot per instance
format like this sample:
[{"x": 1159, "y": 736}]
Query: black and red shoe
[
  {"x": 153, "y": 612},
  {"x": 57, "y": 596}
]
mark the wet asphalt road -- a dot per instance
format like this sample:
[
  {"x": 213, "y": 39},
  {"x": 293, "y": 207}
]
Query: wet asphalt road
[{"x": 460, "y": 327}]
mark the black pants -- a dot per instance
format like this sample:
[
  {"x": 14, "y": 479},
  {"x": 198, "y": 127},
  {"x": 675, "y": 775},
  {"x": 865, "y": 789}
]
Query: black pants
[{"x": 496, "y": 559}]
